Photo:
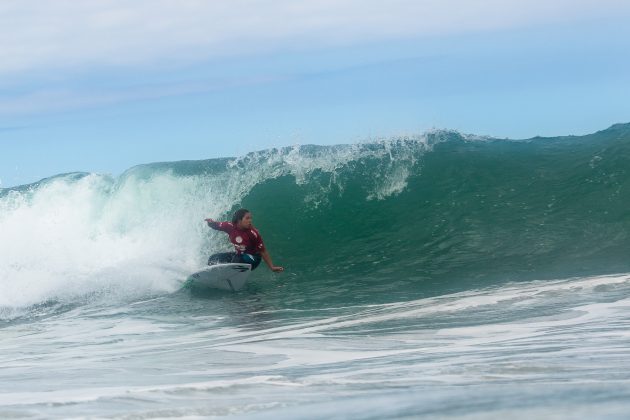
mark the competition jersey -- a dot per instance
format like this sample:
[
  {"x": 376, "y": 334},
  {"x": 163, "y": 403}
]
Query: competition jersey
[{"x": 247, "y": 241}]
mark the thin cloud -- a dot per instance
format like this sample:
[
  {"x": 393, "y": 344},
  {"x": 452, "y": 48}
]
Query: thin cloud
[
  {"x": 59, "y": 100},
  {"x": 13, "y": 128},
  {"x": 83, "y": 35}
]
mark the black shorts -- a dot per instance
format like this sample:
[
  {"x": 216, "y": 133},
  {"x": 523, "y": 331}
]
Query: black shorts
[{"x": 233, "y": 257}]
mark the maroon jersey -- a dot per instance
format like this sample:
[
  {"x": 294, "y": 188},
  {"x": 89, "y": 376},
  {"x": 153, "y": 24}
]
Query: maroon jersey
[{"x": 246, "y": 241}]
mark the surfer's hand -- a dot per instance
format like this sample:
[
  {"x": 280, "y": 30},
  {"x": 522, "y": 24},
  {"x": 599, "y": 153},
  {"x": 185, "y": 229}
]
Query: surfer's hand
[
  {"x": 209, "y": 221},
  {"x": 277, "y": 269}
]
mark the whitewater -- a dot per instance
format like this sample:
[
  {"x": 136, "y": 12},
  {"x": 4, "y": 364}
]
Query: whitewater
[{"x": 441, "y": 276}]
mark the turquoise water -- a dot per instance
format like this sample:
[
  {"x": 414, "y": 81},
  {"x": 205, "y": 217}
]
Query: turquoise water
[{"x": 442, "y": 276}]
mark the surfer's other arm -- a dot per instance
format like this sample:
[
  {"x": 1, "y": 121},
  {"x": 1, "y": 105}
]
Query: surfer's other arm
[{"x": 267, "y": 258}]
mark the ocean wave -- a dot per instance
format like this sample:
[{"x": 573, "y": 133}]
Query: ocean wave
[{"x": 376, "y": 220}]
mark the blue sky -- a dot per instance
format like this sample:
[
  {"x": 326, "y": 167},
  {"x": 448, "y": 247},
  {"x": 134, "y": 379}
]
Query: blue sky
[{"x": 100, "y": 86}]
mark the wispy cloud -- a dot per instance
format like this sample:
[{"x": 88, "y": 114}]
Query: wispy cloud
[
  {"x": 85, "y": 34},
  {"x": 69, "y": 98},
  {"x": 12, "y": 128}
]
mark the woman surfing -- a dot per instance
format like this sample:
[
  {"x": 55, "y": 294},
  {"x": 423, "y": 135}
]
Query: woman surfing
[{"x": 249, "y": 247}]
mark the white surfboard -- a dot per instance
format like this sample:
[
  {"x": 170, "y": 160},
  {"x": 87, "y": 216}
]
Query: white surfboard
[{"x": 230, "y": 276}]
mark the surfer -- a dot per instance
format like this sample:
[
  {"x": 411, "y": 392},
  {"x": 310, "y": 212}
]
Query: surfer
[{"x": 248, "y": 244}]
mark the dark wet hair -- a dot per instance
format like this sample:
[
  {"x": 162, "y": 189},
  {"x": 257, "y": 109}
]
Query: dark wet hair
[{"x": 238, "y": 215}]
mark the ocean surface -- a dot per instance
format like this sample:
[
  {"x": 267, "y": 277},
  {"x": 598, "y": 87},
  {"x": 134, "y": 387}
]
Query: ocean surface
[{"x": 437, "y": 276}]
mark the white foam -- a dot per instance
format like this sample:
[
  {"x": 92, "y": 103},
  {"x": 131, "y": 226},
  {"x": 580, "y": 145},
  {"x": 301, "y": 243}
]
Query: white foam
[
  {"x": 78, "y": 395},
  {"x": 67, "y": 239}
]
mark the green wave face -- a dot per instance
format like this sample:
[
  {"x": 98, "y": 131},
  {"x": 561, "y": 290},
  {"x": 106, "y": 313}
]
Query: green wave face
[
  {"x": 373, "y": 222},
  {"x": 472, "y": 212}
]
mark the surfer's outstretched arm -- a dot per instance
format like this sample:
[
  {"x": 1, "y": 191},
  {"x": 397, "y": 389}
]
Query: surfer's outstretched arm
[
  {"x": 222, "y": 226},
  {"x": 265, "y": 256}
]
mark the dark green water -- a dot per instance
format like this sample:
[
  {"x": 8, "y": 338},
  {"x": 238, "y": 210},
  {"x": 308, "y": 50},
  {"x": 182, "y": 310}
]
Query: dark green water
[{"x": 473, "y": 213}]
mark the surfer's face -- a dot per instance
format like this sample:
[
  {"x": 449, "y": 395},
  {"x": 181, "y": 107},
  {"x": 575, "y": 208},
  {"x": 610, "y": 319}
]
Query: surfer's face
[{"x": 246, "y": 221}]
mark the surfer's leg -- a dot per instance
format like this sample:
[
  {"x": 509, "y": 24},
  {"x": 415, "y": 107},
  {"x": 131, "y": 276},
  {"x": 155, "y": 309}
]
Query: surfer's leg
[
  {"x": 221, "y": 258},
  {"x": 257, "y": 259},
  {"x": 254, "y": 260}
]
